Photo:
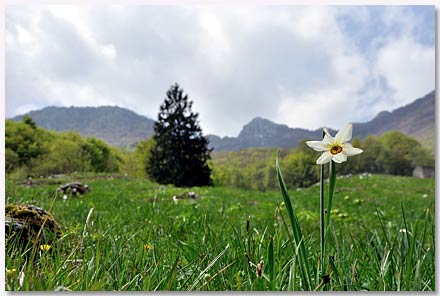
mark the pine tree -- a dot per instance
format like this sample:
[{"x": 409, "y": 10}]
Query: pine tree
[{"x": 181, "y": 153}]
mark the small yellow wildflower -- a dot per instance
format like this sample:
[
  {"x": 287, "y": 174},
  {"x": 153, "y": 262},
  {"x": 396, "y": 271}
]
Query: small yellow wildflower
[
  {"x": 148, "y": 247},
  {"x": 10, "y": 273},
  {"x": 45, "y": 247}
]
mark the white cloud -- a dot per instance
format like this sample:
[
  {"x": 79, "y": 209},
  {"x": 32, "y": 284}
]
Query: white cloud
[
  {"x": 22, "y": 109},
  {"x": 332, "y": 105},
  {"x": 295, "y": 65},
  {"x": 408, "y": 67},
  {"x": 312, "y": 22},
  {"x": 109, "y": 51},
  {"x": 334, "y": 98}
]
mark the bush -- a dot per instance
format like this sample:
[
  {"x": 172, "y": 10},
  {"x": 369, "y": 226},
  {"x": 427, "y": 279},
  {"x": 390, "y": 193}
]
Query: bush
[{"x": 41, "y": 152}]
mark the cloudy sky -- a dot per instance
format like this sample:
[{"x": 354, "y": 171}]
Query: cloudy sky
[{"x": 304, "y": 66}]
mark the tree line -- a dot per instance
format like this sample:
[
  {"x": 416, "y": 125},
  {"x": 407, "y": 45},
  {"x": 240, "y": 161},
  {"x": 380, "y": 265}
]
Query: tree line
[
  {"x": 34, "y": 151},
  {"x": 392, "y": 153}
]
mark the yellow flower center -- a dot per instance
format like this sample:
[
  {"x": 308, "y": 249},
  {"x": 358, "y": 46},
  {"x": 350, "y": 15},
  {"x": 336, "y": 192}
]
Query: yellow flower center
[{"x": 335, "y": 150}]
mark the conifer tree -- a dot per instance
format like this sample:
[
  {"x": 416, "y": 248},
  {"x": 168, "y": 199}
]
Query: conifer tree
[{"x": 180, "y": 153}]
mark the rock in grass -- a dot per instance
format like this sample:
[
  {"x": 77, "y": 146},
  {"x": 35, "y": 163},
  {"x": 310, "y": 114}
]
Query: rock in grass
[
  {"x": 186, "y": 195},
  {"x": 24, "y": 222},
  {"x": 74, "y": 188}
]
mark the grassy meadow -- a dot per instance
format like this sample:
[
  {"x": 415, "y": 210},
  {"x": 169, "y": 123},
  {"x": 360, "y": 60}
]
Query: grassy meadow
[{"x": 138, "y": 238}]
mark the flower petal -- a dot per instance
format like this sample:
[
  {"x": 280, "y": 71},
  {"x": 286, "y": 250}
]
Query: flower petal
[
  {"x": 317, "y": 145},
  {"x": 324, "y": 158},
  {"x": 340, "y": 157},
  {"x": 327, "y": 132},
  {"x": 344, "y": 135},
  {"x": 349, "y": 150},
  {"x": 328, "y": 140}
]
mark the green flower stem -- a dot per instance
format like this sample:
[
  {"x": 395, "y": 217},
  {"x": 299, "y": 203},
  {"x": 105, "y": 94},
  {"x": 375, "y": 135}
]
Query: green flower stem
[
  {"x": 331, "y": 190},
  {"x": 321, "y": 216}
]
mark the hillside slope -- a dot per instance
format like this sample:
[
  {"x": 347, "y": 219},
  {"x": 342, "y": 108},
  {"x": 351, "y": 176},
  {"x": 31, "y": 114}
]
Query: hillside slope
[
  {"x": 117, "y": 126},
  {"x": 416, "y": 119}
]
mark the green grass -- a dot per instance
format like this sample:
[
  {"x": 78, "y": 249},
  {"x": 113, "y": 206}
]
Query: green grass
[{"x": 382, "y": 237}]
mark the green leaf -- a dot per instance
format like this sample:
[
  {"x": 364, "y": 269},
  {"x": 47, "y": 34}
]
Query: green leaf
[
  {"x": 172, "y": 275},
  {"x": 297, "y": 233}
]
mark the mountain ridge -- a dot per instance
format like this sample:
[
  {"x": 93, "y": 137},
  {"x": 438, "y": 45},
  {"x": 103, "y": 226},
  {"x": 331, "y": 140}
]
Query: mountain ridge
[
  {"x": 115, "y": 125},
  {"x": 415, "y": 119},
  {"x": 124, "y": 128}
]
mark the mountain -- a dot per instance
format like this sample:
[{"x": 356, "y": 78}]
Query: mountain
[
  {"x": 117, "y": 126},
  {"x": 262, "y": 132},
  {"x": 416, "y": 119},
  {"x": 124, "y": 128}
]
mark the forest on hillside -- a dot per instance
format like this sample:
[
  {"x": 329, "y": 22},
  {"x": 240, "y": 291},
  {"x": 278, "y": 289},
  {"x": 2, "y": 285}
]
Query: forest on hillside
[{"x": 34, "y": 152}]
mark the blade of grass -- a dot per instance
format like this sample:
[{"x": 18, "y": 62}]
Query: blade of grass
[
  {"x": 297, "y": 233},
  {"x": 218, "y": 273},
  {"x": 292, "y": 275},
  {"x": 160, "y": 285},
  {"x": 172, "y": 275},
  {"x": 425, "y": 223},
  {"x": 271, "y": 266},
  {"x": 208, "y": 267},
  {"x": 407, "y": 256},
  {"x": 381, "y": 224},
  {"x": 335, "y": 271}
]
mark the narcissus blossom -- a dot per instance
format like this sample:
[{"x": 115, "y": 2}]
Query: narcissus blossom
[{"x": 337, "y": 148}]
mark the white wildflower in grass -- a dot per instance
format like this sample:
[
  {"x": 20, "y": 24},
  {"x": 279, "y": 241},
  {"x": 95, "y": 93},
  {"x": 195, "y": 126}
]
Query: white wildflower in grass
[
  {"x": 337, "y": 148},
  {"x": 333, "y": 150}
]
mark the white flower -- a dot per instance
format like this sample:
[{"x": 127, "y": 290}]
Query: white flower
[{"x": 337, "y": 148}]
